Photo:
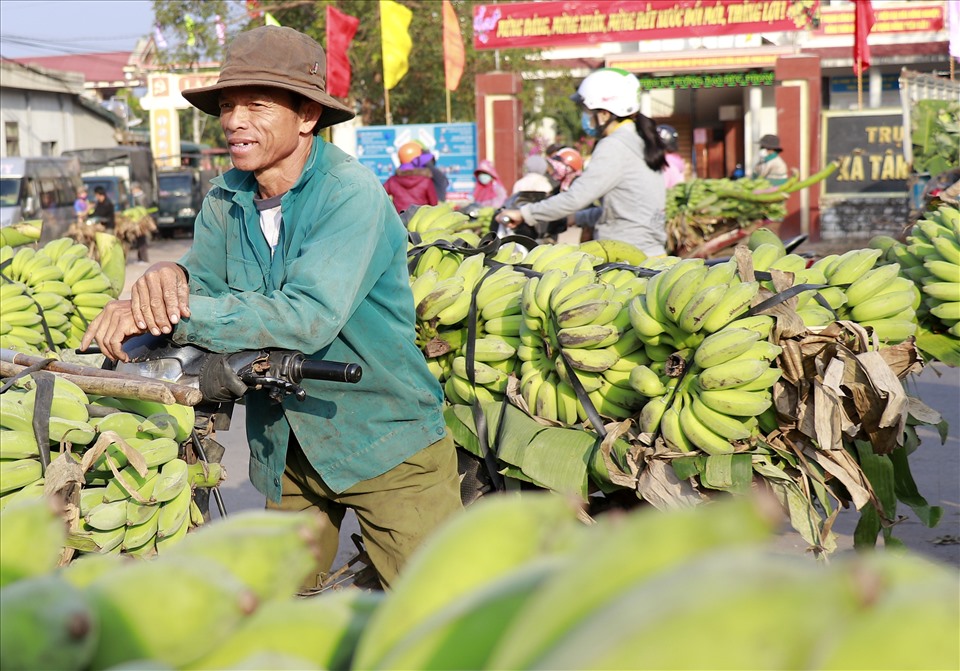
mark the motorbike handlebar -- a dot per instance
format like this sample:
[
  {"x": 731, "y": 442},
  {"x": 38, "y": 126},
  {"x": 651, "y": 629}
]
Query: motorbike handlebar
[{"x": 332, "y": 371}]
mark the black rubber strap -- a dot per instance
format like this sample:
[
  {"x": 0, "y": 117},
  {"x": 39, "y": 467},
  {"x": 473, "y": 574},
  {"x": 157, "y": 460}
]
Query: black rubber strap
[{"x": 42, "y": 405}]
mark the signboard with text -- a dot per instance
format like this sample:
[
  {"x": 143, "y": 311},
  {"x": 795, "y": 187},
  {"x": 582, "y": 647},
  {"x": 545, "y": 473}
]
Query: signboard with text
[
  {"x": 454, "y": 145},
  {"x": 907, "y": 17},
  {"x": 871, "y": 147},
  {"x": 565, "y": 23}
]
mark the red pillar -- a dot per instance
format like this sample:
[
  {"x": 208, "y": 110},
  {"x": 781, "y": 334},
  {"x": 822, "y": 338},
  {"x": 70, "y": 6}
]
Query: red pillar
[
  {"x": 500, "y": 123},
  {"x": 798, "y": 104}
]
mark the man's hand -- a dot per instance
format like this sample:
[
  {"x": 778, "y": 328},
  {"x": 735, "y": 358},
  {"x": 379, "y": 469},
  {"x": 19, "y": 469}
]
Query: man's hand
[
  {"x": 160, "y": 298},
  {"x": 510, "y": 218},
  {"x": 111, "y": 327}
]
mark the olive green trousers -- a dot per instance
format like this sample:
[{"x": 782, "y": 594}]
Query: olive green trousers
[{"x": 396, "y": 510}]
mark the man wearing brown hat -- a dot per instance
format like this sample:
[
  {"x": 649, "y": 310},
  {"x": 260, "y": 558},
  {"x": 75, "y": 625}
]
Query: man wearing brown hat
[
  {"x": 299, "y": 248},
  {"x": 770, "y": 165}
]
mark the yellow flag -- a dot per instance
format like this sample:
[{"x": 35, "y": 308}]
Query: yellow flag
[
  {"x": 396, "y": 42},
  {"x": 268, "y": 20}
]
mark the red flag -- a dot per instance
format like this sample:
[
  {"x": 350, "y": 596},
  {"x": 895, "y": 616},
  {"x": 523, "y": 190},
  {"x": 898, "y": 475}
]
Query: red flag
[
  {"x": 863, "y": 24},
  {"x": 453, "y": 54},
  {"x": 340, "y": 31}
]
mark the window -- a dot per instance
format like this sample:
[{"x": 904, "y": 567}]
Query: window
[
  {"x": 12, "y": 132},
  {"x": 48, "y": 148}
]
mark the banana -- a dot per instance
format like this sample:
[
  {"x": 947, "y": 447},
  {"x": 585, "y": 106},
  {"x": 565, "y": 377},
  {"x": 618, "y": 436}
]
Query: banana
[
  {"x": 546, "y": 401},
  {"x": 137, "y": 514},
  {"x": 641, "y": 319},
  {"x": 607, "y": 407},
  {"x": 181, "y": 592},
  {"x": 651, "y": 414},
  {"x": 173, "y": 479},
  {"x": 76, "y": 269},
  {"x": 671, "y": 276},
  {"x": 725, "y": 426},
  {"x": 424, "y": 284},
  {"x": 590, "y": 360},
  {"x": 126, "y": 424},
  {"x": 493, "y": 348},
  {"x": 549, "y": 281},
  {"x": 892, "y": 330},
  {"x": 731, "y": 374},
  {"x": 883, "y": 305},
  {"x": 694, "y": 314},
  {"x": 948, "y": 248},
  {"x": 943, "y": 291},
  {"x": 443, "y": 294},
  {"x": 591, "y": 335},
  {"x": 20, "y": 444},
  {"x": 671, "y": 428},
  {"x": 762, "y": 324},
  {"x": 502, "y": 306},
  {"x": 791, "y": 263},
  {"x": 174, "y": 513},
  {"x": 625, "y": 397},
  {"x": 943, "y": 270},
  {"x": 868, "y": 285},
  {"x": 724, "y": 345},
  {"x": 594, "y": 291},
  {"x": 646, "y": 382},
  {"x": 19, "y": 473},
  {"x": 483, "y": 373},
  {"x": 737, "y": 300},
  {"x": 852, "y": 265},
  {"x": 107, "y": 516},
  {"x": 53, "y": 286},
  {"x": 682, "y": 291},
  {"x": 701, "y": 435},
  {"x": 588, "y": 380},
  {"x": 568, "y": 286},
  {"x": 765, "y": 254},
  {"x": 503, "y": 281},
  {"x": 762, "y": 350},
  {"x": 568, "y": 410},
  {"x": 530, "y": 385},
  {"x": 118, "y": 488},
  {"x": 508, "y": 325},
  {"x": 736, "y": 402},
  {"x": 628, "y": 343},
  {"x": 592, "y": 312},
  {"x": 947, "y": 311},
  {"x": 763, "y": 382}
]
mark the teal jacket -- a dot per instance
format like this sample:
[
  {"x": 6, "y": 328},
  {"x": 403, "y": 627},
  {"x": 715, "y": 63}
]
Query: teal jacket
[{"x": 337, "y": 288}]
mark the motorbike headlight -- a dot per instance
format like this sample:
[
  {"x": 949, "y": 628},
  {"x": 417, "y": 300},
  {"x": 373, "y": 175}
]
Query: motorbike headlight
[{"x": 186, "y": 212}]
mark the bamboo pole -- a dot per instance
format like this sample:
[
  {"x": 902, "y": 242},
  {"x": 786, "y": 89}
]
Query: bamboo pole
[
  {"x": 182, "y": 394},
  {"x": 139, "y": 388},
  {"x": 859, "y": 85},
  {"x": 386, "y": 98},
  {"x": 448, "y": 104}
]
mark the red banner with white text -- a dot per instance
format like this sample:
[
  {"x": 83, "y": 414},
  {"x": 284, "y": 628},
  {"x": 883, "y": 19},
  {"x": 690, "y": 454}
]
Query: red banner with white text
[{"x": 577, "y": 22}]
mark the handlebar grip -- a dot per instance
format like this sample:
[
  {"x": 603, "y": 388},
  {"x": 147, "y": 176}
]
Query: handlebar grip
[{"x": 332, "y": 371}]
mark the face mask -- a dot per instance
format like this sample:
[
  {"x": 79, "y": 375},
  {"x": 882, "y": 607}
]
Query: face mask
[
  {"x": 587, "y": 123},
  {"x": 484, "y": 178},
  {"x": 764, "y": 153}
]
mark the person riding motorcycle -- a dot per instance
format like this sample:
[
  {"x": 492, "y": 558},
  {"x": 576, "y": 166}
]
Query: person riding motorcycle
[
  {"x": 625, "y": 170},
  {"x": 675, "y": 172}
]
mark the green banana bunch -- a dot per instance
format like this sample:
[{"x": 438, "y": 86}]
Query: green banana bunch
[
  {"x": 931, "y": 259},
  {"x": 464, "y": 556},
  {"x": 21, "y": 233},
  {"x": 58, "y": 286}
]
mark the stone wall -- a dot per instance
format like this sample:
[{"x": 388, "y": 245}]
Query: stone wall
[{"x": 863, "y": 217}]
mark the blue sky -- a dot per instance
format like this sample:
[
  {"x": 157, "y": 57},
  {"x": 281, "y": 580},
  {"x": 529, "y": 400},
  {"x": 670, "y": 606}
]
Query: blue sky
[{"x": 59, "y": 27}]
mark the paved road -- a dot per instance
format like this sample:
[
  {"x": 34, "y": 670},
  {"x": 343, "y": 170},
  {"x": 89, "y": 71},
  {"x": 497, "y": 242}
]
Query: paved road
[{"x": 936, "y": 467}]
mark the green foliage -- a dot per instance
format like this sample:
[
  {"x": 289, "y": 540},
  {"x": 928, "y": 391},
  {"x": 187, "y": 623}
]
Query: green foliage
[{"x": 936, "y": 136}]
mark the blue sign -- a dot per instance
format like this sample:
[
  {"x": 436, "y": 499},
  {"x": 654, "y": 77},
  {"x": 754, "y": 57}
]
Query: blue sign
[{"x": 454, "y": 145}]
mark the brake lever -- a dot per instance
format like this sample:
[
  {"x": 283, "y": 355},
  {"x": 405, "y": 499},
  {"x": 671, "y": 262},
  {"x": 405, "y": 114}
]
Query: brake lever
[{"x": 278, "y": 388}]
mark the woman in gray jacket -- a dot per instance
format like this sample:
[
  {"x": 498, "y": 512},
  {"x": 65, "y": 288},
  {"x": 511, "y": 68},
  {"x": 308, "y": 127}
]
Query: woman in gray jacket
[{"x": 624, "y": 173}]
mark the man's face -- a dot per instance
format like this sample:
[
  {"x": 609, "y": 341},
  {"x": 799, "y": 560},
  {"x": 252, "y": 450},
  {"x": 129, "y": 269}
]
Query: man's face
[{"x": 262, "y": 128}]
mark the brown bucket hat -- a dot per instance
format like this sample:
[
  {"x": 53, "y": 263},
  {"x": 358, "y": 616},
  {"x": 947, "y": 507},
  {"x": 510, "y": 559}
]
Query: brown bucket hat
[
  {"x": 770, "y": 142},
  {"x": 274, "y": 56}
]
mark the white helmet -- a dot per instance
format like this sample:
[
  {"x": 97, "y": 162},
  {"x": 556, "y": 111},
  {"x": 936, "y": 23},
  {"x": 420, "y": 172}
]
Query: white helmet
[{"x": 611, "y": 89}]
